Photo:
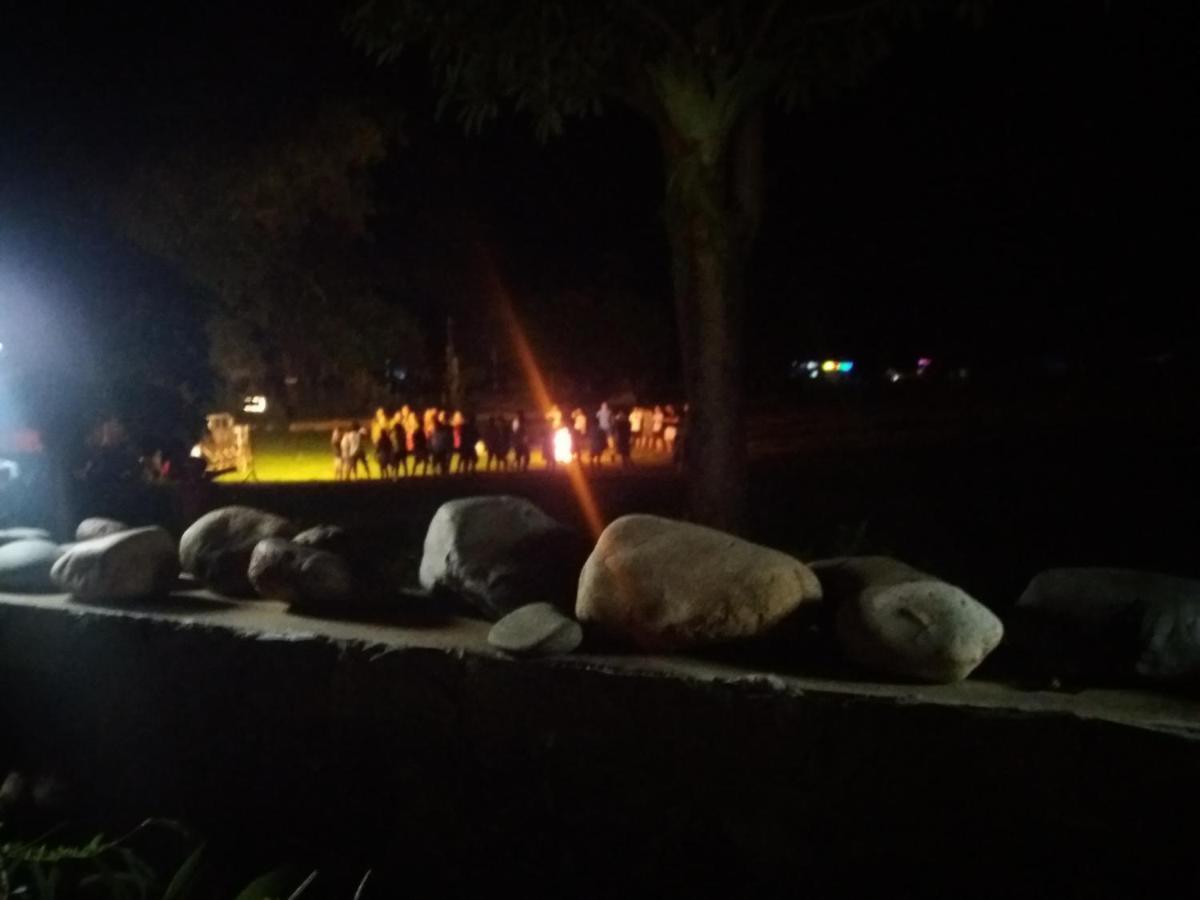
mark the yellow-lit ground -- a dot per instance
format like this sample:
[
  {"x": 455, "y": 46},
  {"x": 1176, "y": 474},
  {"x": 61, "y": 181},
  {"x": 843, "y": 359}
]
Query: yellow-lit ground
[{"x": 306, "y": 456}]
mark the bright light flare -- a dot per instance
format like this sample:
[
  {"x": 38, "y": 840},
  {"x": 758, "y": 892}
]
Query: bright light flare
[
  {"x": 256, "y": 404},
  {"x": 562, "y": 445},
  {"x": 537, "y": 386}
]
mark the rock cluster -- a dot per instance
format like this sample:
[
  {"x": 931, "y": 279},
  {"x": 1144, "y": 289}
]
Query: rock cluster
[
  {"x": 216, "y": 548},
  {"x": 649, "y": 583}
]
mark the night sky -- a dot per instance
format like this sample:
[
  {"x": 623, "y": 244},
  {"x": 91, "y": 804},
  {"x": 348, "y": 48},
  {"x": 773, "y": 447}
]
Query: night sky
[{"x": 1021, "y": 189}]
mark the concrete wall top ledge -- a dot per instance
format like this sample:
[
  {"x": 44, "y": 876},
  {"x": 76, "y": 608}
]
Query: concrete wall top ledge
[{"x": 269, "y": 621}]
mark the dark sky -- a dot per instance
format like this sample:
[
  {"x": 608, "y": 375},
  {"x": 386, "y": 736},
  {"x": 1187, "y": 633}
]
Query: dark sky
[{"x": 1024, "y": 188}]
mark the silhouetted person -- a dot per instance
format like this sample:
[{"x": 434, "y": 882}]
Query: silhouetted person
[
  {"x": 385, "y": 453},
  {"x": 624, "y": 438},
  {"x": 399, "y": 447},
  {"x": 598, "y": 443},
  {"x": 496, "y": 440},
  {"x": 681, "y": 439},
  {"x": 420, "y": 451},
  {"x": 443, "y": 445},
  {"x": 468, "y": 455},
  {"x": 520, "y": 440}
]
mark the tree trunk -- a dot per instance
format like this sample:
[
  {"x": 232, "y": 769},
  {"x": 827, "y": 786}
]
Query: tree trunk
[{"x": 713, "y": 205}]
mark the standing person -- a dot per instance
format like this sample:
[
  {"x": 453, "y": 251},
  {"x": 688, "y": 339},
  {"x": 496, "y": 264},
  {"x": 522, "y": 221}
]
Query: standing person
[
  {"x": 604, "y": 422},
  {"x": 520, "y": 440},
  {"x": 624, "y": 437},
  {"x": 351, "y": 450},
  {"x": 681, "y": 439},
  {"x": 335, "y": 441},
  {"x": 442, "y": 445},
  {"x": 493, "y": 441},
  {"x": 456, "y": 422},
  {"x": 412, "y": 424},
  {"x": 579, "y": 424},
  {"x": 360, "y": 458},
  {"x": 548, "y": 436},
  {"x": 379, "y": 424},
  {"x": 598, "y": 444},
  {"x": 399, "y": 445},
  {"x": 420, "y": 451},
  {"x": 635, "y": 426},
  {"x": 385, "y": 453},
  {"x": 657, "y": 423},
  {"x": 468, "y": 455},
  {"x": 670, "y": 429}
]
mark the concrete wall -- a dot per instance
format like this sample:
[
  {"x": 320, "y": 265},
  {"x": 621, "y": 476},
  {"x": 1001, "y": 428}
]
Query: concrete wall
[{"x": 415, "y": 747}]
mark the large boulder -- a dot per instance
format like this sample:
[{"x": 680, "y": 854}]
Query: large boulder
[
  {"x": 895, "y": 620},
  {"x": 125, "y": 565},
  {"x": 8, "y": 535},
  {"x": 310, "y": 580},
  {"x": 537, "y": 629},
  {"x": 25, "y": 565},
  {"x": 666, "y": 585},
  {"x": 216, "y": 548},
  {"x": 97, "y": 526},
  {"x": 1116, "y": 622},
  {"x": 500, "y": 553}
]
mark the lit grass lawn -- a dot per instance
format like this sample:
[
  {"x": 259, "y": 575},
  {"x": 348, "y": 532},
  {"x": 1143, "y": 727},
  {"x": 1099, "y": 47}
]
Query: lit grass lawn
[{"x": 307, "y": 456}]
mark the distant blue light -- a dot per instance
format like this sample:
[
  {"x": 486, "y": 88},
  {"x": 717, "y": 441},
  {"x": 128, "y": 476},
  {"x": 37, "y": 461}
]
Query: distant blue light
[{"x": 845, "y": 366}]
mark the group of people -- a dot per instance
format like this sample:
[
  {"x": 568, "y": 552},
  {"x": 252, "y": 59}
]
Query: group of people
[{"x": 438, "y": 441}]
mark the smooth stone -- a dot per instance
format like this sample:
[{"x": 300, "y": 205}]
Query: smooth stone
[
  {"x": 1170, "y": 641},
  {"x": 25, "y": 565},
  {"x": 216, "y": 549},
  {"x": 8, "y": 535},
  {"x": 500, "y": 553},
  {"x": 97, "y": 526},
  {"x": 894, "y": 620},
  {"x": 1115, "y": 621},
  {"x": 126, "y": 565},
  {"x": 308, "y": 579},
  {"x": 537, "y": 629},
  {"x": 666, "y": 585}
]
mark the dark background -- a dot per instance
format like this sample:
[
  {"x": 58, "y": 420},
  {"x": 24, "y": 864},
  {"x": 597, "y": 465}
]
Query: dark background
[{"x": 1020, "y": 190}]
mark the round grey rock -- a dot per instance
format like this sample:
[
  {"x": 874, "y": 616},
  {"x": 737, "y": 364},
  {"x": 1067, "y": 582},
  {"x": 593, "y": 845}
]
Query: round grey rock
[
  {"x": 25, "y": 565},
  {"x": 895, "y": 620},
  {"x": 664, "y": 585},
  {"x": 126, "y": 565},
  {"x": 333, "y": 538},
  {"x": 499, "y": 553},
  {"x": 1116, "y": 621},
  {"x": 216, "y": 549},
  {"x": 309, "y": 580},
  {"x": 8, "y": 535},
  {"x": 97, "y": 526},
  {"x": 537, "y": 629}
]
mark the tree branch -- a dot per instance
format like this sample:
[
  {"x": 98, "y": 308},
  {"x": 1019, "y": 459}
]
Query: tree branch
[
  {"x": 658, "y": 21},
  {"x": 764, "y": 25},
  {"x": 844, "y": 15}
]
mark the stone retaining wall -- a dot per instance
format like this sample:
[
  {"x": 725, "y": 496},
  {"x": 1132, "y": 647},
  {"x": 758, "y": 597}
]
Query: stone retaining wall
[{"x": 414, "y": 745}]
